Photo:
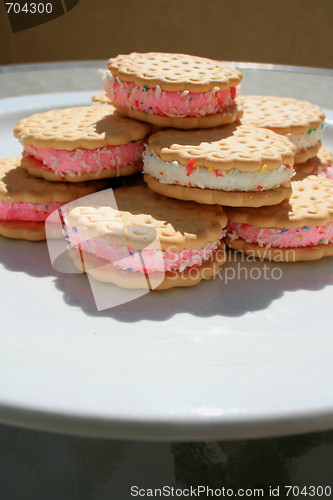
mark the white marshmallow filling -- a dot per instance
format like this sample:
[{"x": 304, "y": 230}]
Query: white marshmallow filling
[
  {"x": 200, "y": 177},
  {"x": 306, "y": 139}
]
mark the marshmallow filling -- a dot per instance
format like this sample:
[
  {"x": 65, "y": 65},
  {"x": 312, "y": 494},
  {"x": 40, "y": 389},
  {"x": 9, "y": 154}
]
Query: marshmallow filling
[
  {"x": 145, "y": 260},
  {"x": 80, "y": 161},
  {"x": 156, "y": 101},
  {"x": 26, "y": 211},
  {"x": 307, "y": 139},
  {"x": 276, "y": 237},
  {"x": 207, "y": 178}
]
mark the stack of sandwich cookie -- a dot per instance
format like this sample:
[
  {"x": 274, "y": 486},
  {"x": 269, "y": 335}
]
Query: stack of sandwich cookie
[
  {"x": 232, "y": 165},
  {"x": 300, "y": 228},
  {"x": 26, "y": 202},
  {"x": 300, "y": 121},
  {"x": 321, "y": 164},
  {"x": 173, "y": 90},
  {"x": 79, "y": 144},
  {"x": 115, "y": 244}
]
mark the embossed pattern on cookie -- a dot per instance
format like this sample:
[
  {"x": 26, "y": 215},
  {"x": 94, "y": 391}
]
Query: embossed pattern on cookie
[
  {"x": 301, "y": 121},
  {"x": 173, "y": 90},
  {"x": 84, "y": 143},
  {"x": 300, "y": 228},
  {"x": 187, "y": 236},
  {"x": 237, "y": 165}
]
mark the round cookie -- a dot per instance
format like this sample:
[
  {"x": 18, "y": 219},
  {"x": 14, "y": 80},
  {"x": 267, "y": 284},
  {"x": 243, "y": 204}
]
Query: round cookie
[
  {"x": 300, "y": 228},
  {"x": 173, "y": 90},
  {"x": 300, "y": 121},
  {"x": 101, "y": 98},
  {"x": 322, "y": 164},
  {"x": 83, "y": 143},
  {"x": 232, "y": 165},
  {"x": 147, "y": 239},
  {"x": 26, "y": 202}
]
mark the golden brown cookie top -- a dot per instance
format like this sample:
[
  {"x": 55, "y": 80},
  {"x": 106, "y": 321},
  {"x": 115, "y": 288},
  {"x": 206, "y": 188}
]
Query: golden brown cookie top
[
  {"x": 281, "y": 114},
  {"x": 311, "y": 204},
  {"x": 241, "y": 147},
  {"x": 173, "y": 72},
  {"x": 87, "y": 127},
  {"x": 142, "y": 214},
  {"x": 101, "y": 98},
  {"x": 16, "y": 184}
]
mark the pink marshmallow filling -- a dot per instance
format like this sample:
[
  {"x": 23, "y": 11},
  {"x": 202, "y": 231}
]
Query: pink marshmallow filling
[
  {"x": 326, "y": 172},
  {"x": 81, "y": 161},
  {"x": 129, "y": 259},
  {"x": 164, "y": 103},
  {"x": 25, "y": 211},
  {"x": 282, "y": 238}
]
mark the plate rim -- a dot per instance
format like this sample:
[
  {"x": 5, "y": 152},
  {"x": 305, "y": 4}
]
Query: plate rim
[{"x": 181, "y": 428}]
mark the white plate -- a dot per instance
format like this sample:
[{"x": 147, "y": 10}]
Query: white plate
[{"x": 250, "y": 358}]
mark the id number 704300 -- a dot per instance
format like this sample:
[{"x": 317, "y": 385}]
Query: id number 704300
[{"x": 29, "y": 8}]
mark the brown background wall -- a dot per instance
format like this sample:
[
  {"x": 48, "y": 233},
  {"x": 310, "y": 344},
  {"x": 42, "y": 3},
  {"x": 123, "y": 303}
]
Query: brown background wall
[{"x": 297, "y": 32}]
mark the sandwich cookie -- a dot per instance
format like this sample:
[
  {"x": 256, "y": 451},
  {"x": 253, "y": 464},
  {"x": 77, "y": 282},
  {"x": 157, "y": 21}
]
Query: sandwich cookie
[
  {"x": 116, "y": 244},
  {"x": 300, "y": 121},
  {"x": 322, "y": 164},
  {"x": 173, "y": 90},
  {"x": 231, "y": 165},
  {"x": 79, "y": 144},
  {"x": 300, "y": 228},
  {"x": 26, "y": 202}
]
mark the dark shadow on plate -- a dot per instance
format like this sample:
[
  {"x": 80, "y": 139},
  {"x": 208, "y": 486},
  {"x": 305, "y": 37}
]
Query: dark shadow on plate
[
  {"x": 241, "y": 287},
  {"x": 29, "y": 257}
]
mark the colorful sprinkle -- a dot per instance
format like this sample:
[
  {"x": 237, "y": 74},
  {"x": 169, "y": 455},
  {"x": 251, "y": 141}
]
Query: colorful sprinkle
[
  {"x": 282, "y": 237},
  {"x": 189, "y": 167}
]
